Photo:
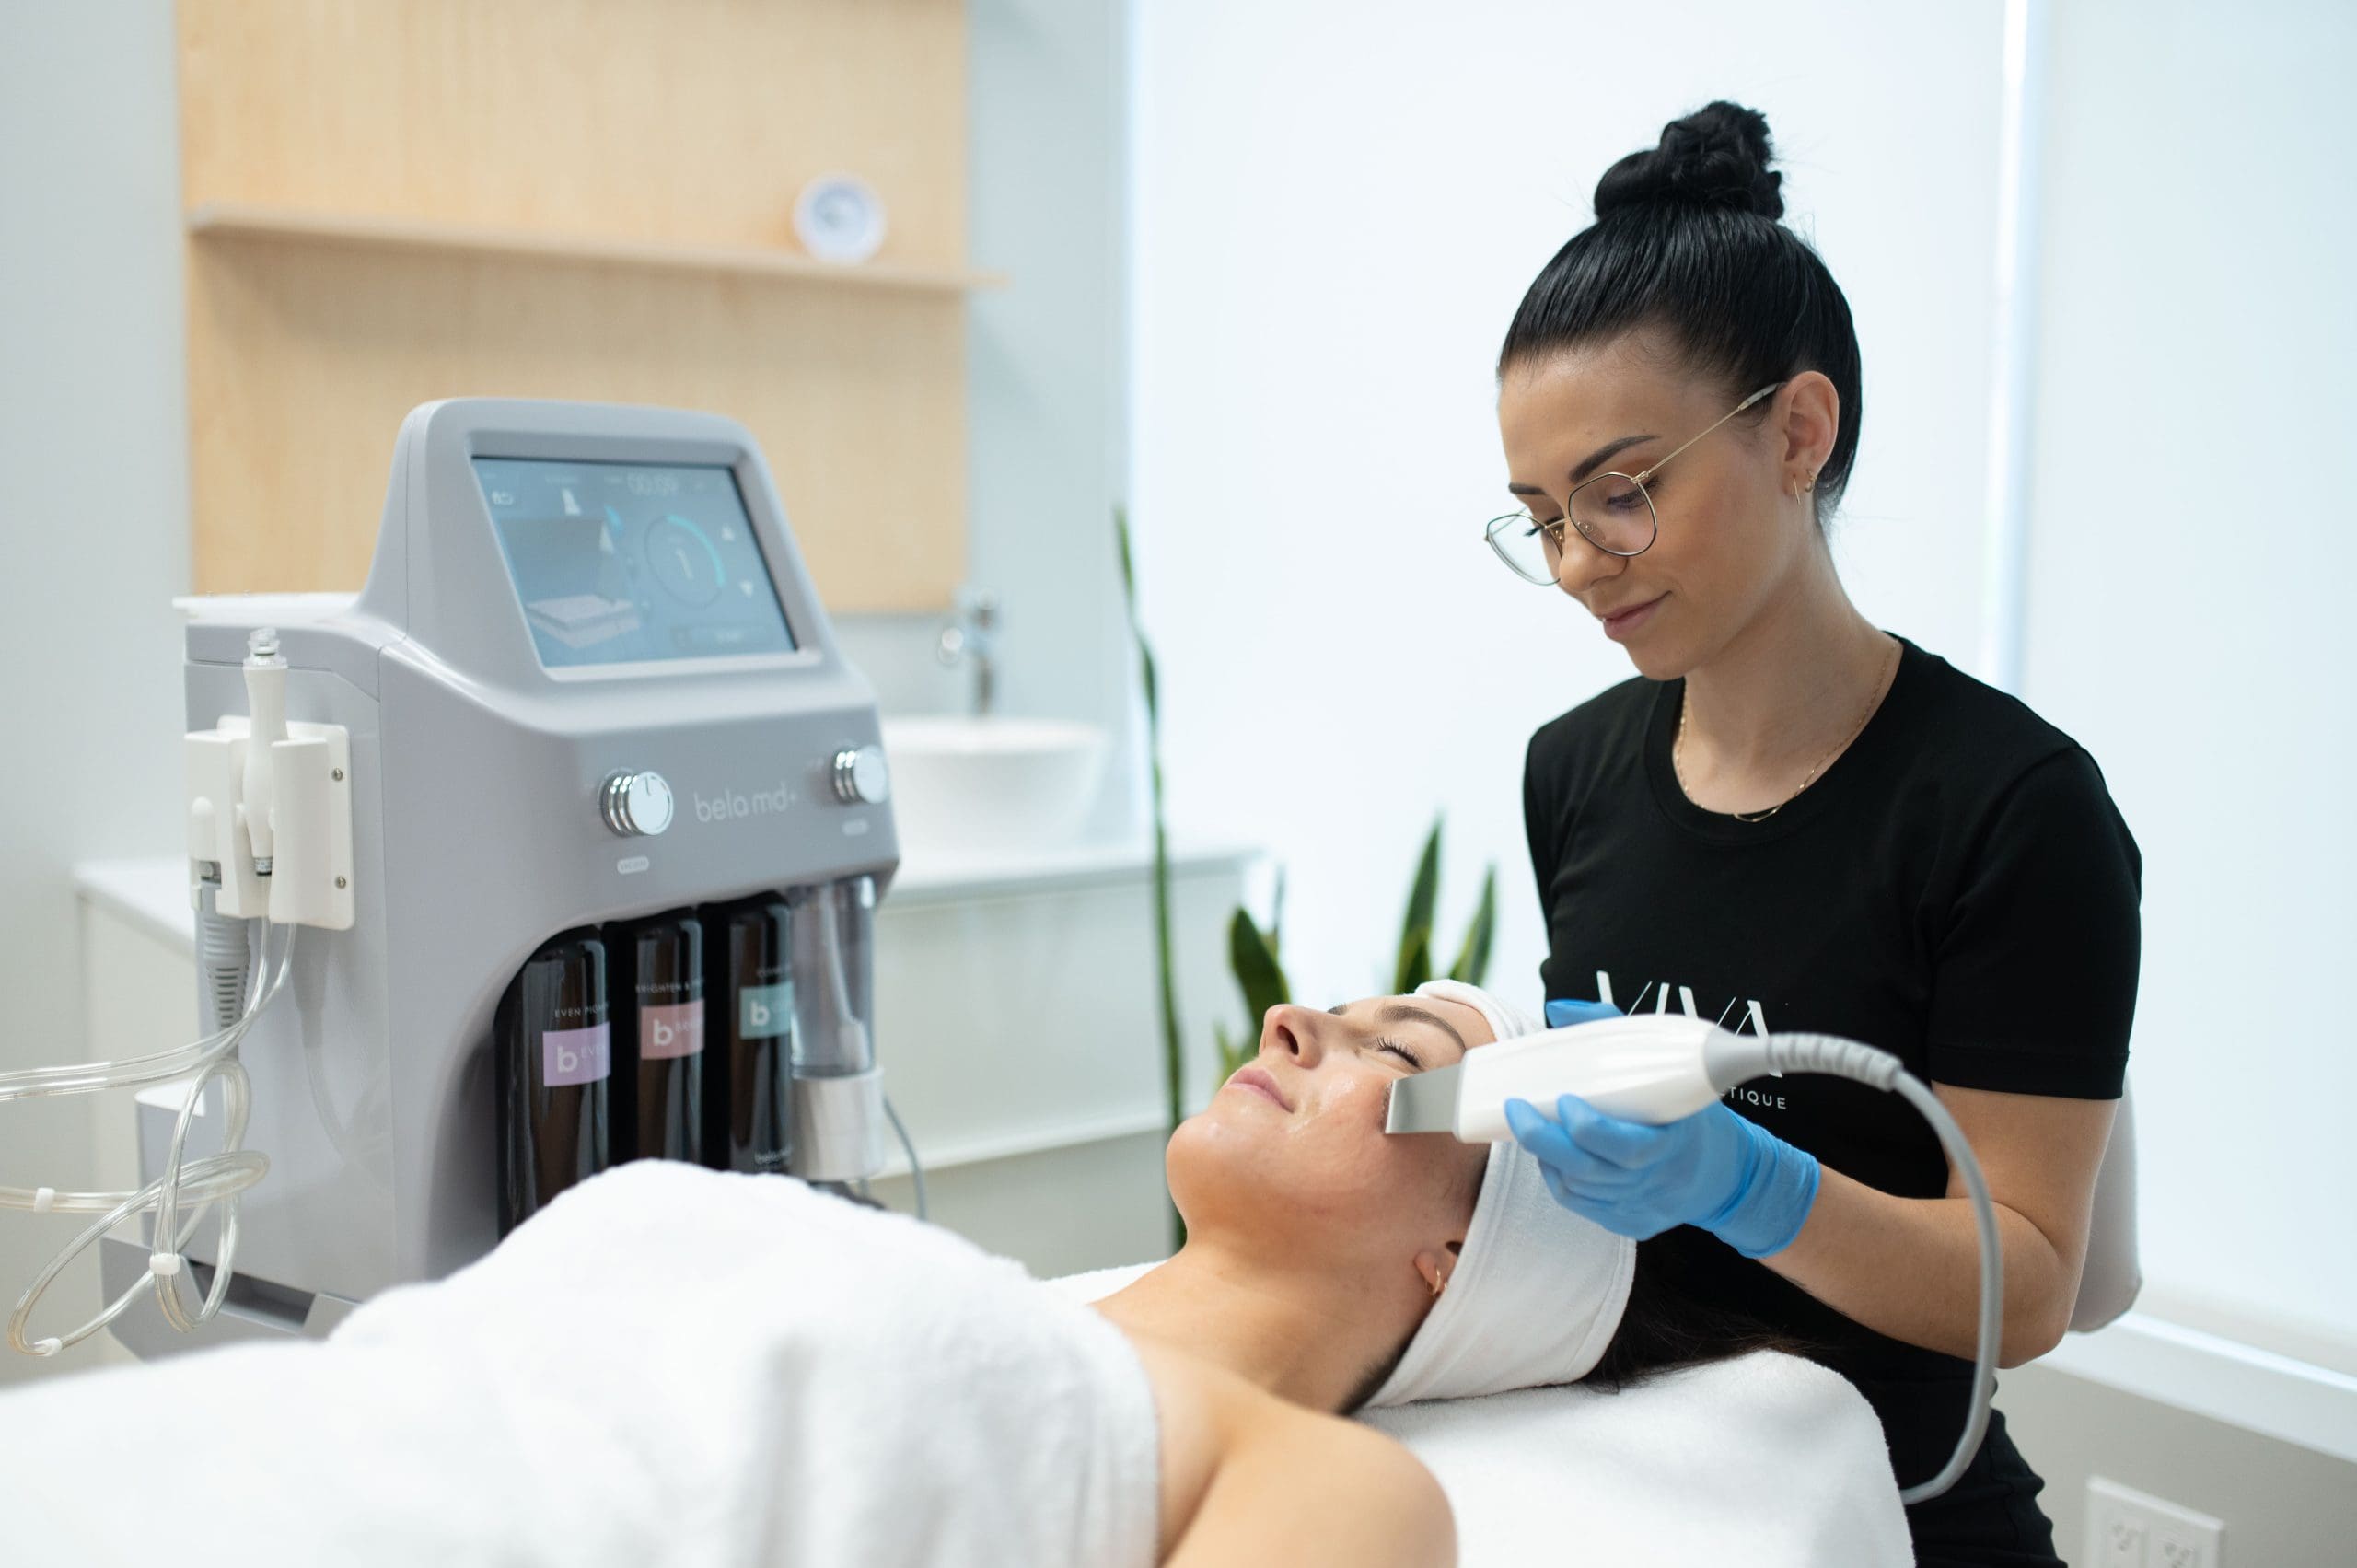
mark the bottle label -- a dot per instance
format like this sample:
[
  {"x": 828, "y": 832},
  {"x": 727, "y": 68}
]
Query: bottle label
[
  {"x": 576, "y": 1056},
  {"x": 673, "y": 1029},
  {"x": 763, "y": 1011}
]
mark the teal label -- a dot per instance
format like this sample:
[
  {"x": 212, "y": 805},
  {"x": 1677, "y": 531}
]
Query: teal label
[{"x": 764, "y": 1010}]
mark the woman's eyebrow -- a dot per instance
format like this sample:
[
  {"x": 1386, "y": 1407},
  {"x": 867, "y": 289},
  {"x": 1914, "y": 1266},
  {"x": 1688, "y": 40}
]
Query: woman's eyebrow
[{"x": 1586, "y": 465}]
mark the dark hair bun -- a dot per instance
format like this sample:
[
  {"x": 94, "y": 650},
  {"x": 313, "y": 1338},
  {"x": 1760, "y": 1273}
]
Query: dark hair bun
[{"x": 1716, "y": 157}]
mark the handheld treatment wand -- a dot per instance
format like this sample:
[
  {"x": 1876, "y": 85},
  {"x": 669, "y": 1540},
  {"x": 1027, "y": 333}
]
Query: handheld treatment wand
[{"x": 1658, "y": 1067}]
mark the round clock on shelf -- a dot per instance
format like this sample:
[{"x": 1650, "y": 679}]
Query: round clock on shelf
[{"x": 840, "y": 218}]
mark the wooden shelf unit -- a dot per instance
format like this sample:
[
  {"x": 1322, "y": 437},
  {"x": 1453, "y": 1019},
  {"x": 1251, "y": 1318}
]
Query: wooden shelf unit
[
  {"x": 387, "y": 202},
  {"x": 245, "y": 220}
]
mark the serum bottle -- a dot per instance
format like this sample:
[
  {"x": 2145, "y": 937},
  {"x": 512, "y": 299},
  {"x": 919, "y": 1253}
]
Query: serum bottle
[
  {"x": 554, "y": 1042},
  {"x": 659, "y": 1038},
  {"x": 749, "y": 1105}
]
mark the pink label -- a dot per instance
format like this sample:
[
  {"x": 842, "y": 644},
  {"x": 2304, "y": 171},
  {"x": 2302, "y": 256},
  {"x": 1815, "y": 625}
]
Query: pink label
[
  {"x": 576, "y": 1056},
  {"x": 675, "y": 1029}
]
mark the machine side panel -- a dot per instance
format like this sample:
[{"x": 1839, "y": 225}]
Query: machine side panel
[{"x": 321, "y": 1218}]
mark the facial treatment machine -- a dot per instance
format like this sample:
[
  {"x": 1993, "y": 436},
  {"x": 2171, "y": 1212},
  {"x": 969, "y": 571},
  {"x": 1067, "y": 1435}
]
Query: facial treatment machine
[
  {"x": 1659, "y": 1067},
  {"x": 558, "y": 846}
]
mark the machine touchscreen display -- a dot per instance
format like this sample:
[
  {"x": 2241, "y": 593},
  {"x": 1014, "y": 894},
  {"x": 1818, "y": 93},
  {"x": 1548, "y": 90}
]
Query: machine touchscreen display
[{"x": 619, "y": 563}]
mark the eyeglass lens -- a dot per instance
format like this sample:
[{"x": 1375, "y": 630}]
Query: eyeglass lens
[{"x": 1611, "y": 509}]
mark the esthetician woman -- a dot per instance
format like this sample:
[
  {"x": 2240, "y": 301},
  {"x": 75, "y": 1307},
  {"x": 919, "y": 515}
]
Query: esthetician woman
[{"x": 1793, "y": 820}]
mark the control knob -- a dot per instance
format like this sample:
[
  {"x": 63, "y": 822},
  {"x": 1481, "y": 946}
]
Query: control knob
[
  {"x": 862, "y": 778},
  {"x": 635, "y": 803}
]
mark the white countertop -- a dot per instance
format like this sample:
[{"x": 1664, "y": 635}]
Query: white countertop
[{"x": 152, "y": 893}]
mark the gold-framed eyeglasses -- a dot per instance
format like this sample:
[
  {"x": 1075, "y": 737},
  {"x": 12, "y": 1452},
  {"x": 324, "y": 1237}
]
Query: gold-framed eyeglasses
[{"x": 1613, "y": 512}]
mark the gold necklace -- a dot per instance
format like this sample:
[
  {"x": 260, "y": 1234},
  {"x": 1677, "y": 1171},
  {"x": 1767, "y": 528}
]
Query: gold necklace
[{"x": 1874, "y": 700}]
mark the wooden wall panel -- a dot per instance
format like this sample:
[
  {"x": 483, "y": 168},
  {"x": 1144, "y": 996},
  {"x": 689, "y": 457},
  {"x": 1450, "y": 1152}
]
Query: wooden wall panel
[
  {"x": 668, "y": 122},
  {"x": 697, "y": 120},
  {"x": 303, "y": 359}
]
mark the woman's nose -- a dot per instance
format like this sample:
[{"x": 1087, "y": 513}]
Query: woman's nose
[
  {"x": 1581, "y": 566},
  {"x": 1294, "y": 1032}
]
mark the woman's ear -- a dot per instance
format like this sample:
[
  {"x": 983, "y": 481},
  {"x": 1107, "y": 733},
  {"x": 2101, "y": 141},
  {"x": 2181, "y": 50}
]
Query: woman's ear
[
  {"x": 1434, "y": 1264},
  {"x": 1812, "y": 421}
]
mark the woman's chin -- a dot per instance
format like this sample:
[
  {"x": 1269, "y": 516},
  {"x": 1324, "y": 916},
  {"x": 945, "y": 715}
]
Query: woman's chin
[
  {"x": 1216, "y": 1142},
  {"x": 1656, "y": 658}
]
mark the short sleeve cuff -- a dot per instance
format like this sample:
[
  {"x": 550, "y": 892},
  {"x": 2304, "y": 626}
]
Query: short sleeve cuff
[{"x": 2028, "y": 1071}]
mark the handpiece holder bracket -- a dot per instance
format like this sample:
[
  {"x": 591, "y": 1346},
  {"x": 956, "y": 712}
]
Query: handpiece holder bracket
[{"x": 311, "y": 879}]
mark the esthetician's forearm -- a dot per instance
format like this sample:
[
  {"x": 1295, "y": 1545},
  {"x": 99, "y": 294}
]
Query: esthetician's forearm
[{"x": 1910, "y": 1268}]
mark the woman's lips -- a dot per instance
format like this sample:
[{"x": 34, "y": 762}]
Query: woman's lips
[
  {"x": 1258, "y": 1081},
  {"x": 1618, "y": 626}
]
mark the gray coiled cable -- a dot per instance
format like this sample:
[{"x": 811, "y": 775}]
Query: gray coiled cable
[{"x": 1840, "y": 1058}]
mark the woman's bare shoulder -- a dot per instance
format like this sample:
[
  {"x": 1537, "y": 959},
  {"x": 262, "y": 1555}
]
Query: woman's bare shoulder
[{"x": 1249, "y": 1477}]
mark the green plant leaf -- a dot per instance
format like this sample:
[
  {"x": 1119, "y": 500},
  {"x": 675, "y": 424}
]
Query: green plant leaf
[
  {"x": 1261, "y": 978},
  {"x": 1173, "y": 1037},
  {"x": 1416, "y": 929},
  {"x": 1415, "y": 962},
  {"x": 1473, "y": 958},
  {"x": 1129, "y": 574},
  {"x": 1424, "y": 894},
  {"x": 1233, "y": 1052},
  {"x": 1277, "y": 917}
]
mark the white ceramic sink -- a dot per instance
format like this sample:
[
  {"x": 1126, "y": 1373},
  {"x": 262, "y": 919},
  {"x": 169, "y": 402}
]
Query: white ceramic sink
[{"x": 964, "y": 786}]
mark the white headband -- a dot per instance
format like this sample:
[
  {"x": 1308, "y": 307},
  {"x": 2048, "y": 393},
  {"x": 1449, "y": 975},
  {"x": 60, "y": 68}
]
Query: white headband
[{"x": 1537, "y": 1292}]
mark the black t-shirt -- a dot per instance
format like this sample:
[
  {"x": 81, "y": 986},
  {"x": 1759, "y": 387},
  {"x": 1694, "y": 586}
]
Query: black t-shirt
[{"x": 1957, "y": 888}]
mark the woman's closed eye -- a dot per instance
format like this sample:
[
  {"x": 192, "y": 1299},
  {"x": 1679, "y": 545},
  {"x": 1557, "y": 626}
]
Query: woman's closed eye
[
  {"x": 1414, "y": 1061},
  {"x": 1632, "y": 499}
]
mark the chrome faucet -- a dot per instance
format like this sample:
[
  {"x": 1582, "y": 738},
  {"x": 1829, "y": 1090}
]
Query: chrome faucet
[{"x": 968, "y": 638}]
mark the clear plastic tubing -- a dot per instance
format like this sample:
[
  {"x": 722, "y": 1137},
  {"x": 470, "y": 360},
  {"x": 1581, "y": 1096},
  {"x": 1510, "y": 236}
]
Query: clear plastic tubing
[{"x": 215, "y": 1180}]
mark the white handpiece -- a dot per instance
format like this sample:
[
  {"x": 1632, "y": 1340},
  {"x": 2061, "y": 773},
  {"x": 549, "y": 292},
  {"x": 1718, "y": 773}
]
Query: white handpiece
[
  {"x": 266, "y": 702},
  {"x": 1653, "y": 1068}
]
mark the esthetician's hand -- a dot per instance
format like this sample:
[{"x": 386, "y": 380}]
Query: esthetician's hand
[{"x": 1714, "y": 1168}]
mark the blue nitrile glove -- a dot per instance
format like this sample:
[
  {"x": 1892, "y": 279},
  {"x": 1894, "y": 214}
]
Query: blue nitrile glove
[
  {"x": 1562, "y": 1015},
  {"x": 1715, "y": 1170}
]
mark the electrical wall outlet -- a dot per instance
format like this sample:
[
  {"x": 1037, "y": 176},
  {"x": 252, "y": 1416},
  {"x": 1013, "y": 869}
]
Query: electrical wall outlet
[
  {"x": 2115, "y": 1538},
  {"x": 2127, "y": 1529}
]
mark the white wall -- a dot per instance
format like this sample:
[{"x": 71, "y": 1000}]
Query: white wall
[
  {"x": 2282, "y": 1502},
  {"x": 1045, "y": 377},
  {"x": 2192, "y": 551},
  {"x": 1337, "y": 210},
  {"x": 93, "y": 447}
]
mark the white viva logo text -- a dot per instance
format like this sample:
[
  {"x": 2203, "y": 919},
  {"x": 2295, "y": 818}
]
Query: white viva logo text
[{"x": 1755, "y": 1019}]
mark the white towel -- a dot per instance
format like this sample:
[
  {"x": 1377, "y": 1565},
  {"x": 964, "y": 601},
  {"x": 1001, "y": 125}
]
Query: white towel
[
  {"x": 1764, "y": 1459},
  {"x": 669, "y": 1366}
]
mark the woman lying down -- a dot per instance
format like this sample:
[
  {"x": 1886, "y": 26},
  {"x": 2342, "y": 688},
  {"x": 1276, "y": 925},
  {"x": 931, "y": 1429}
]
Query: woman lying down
[{"x": 670, "y": 1365}]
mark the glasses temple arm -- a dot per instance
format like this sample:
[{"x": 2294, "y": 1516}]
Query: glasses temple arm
[{"x": 1738, "y": 408}]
